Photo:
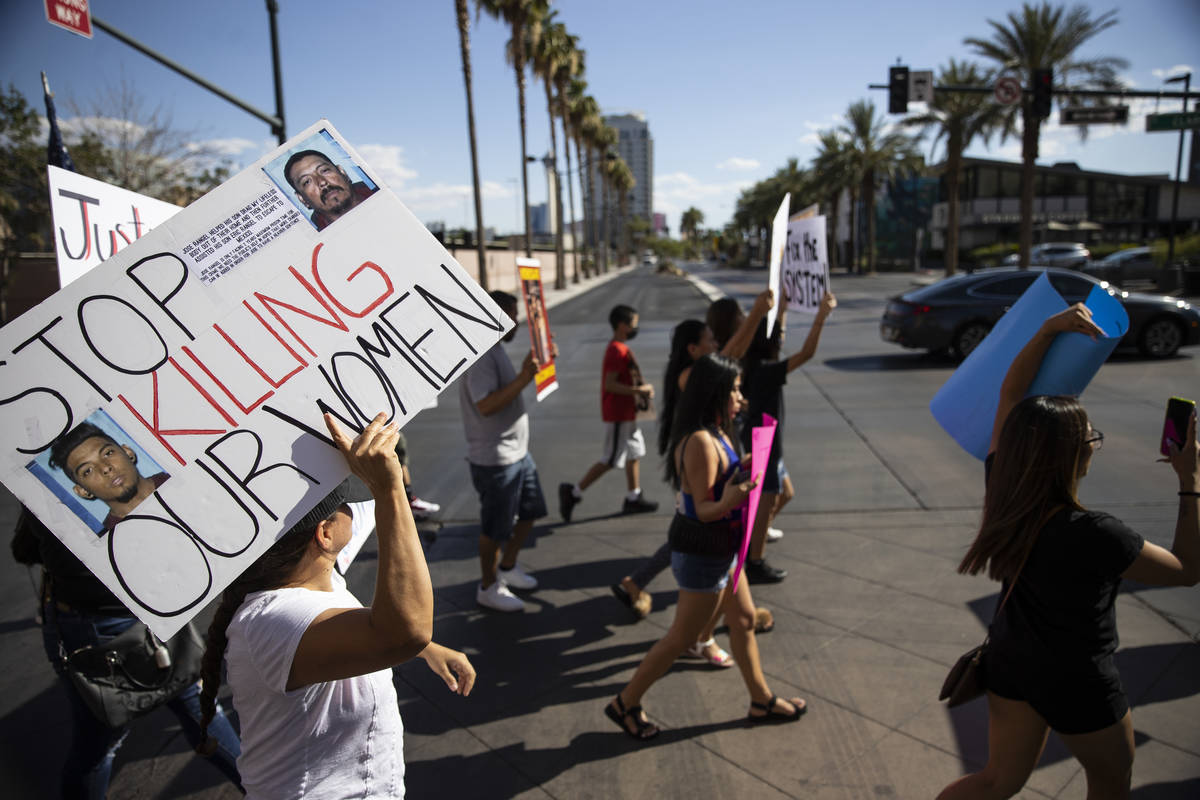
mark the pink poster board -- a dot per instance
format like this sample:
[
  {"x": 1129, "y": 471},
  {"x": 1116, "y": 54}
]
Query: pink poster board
[{"x": 760, "y": 448}]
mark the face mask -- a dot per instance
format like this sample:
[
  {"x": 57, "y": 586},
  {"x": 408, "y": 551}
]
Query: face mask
[{"x": 631, "y": 334}]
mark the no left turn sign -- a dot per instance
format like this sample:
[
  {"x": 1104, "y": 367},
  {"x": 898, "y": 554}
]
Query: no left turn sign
[{"x": 1008, "y": 91}]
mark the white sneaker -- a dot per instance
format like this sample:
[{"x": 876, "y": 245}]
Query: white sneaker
[
  {"x": 774, "y": 534},
  {"x": 517, "y": 578},
  {"x": 498, "y": 598},
  {"x": 423, "y": 509}
]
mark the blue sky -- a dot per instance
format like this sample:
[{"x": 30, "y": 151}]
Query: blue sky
[{"x": 730, "y": 91}]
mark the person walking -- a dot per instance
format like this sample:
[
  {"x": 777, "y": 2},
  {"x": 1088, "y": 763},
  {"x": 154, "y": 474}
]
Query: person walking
[
  {"x": 1048, "y": 663},
  {"x": 705, "y": 535}
]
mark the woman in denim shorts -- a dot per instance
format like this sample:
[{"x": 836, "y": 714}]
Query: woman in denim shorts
[{"x": 705, "y": 534}]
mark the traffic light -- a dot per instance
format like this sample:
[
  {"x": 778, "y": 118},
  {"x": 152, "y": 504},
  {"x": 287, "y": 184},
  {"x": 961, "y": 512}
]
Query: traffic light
[
  {"x": 898, "y": 90},
  {"x": 1043, "y": 80}
]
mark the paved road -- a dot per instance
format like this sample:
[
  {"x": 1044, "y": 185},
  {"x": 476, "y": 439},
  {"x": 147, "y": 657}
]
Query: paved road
[{"x": 869, "y": 621}]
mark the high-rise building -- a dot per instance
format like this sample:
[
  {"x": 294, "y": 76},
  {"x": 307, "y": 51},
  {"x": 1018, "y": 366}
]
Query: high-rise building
[{"x": 636, "y": 147}]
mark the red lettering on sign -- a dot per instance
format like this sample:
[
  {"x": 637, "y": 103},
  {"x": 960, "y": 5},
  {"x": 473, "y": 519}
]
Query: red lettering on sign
[
  {"x": 153, "y": 425},
  {"x": 365, "y": 265}
]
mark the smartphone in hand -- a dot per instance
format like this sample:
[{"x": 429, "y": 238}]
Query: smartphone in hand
[{"x": 1179, "y": 412}]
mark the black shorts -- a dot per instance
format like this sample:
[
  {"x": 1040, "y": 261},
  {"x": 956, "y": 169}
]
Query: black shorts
[{"x": 1072, "y": 701}]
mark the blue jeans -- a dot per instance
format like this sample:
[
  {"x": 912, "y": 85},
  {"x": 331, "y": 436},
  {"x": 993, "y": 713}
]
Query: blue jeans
[
  {"x": 94, "y": 744},
  {"x": 506, "y": 493}
]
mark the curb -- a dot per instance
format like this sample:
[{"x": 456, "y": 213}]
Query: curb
[{"x": 705, "y": 288}]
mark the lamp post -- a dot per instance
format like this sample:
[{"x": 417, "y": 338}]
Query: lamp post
[{"x": 1186, "y": 80}]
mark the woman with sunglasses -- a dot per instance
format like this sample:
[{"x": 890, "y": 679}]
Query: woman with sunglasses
[{"x": 1049, "y": 659}]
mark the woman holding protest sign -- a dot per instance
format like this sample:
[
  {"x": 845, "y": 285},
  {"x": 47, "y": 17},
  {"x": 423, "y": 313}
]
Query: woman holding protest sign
[
  {"x": 705, "y": 534},
  {"x": 1048, "y": 660},
  {"x": 310, "y": 668}
]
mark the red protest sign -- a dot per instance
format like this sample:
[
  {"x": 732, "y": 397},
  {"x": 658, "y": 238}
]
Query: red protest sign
[
  {"x": 74, "y": 15},
  {"x": 530, "y": 272}
]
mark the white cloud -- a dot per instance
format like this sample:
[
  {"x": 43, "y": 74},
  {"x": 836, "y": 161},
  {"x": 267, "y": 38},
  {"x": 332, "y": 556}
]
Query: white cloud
[
  {"x": 388, "y": 161},
  {"x": 226, "y": 147},
  {"x": 447, "y": 198},
  {"x": 739, "y": 164},
  {"x": 676, "y": 191},
  {"x": 1170, "y": 72}
]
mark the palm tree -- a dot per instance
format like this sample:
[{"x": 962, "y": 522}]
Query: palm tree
[
  {"x": 1045, "y": 37},
  {"x": 875, "y": 154},
  {"x": 569, "y": 70},
  {"x": 690, "y": 222},
  {"x": 585, "y": 119},
  {"x": 959, "y": 118},
  {"x": 550, "y": 53},
  {"x": 832, "y": 172},
  {"x": 622, "y": 182},
  {"x": 605, "y": 138},
  {"x": 524, "y": 17},
  {"x": 464, "y": 42}
]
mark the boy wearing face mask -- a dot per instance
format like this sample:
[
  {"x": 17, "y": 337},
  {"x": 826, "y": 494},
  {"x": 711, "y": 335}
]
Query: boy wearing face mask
[{"x": 622, "y": 394}]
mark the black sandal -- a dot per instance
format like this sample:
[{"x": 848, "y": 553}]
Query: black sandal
[
  {"x": 768, "y": 716},
  {"x": 645, "y": 730}
]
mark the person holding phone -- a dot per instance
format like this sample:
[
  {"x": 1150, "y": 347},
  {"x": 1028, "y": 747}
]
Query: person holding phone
[
  {"x": 705, "y": 535},
  {"x": 1049, "y": 658}
]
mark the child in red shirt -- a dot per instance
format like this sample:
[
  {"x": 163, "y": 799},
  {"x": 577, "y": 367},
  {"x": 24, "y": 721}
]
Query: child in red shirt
[{"x": 622, "y": 394}]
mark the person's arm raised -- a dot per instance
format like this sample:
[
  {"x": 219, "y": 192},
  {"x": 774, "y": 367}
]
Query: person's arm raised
[
  {"x": 345, "y": 642},
  {"x": 502, "y": 397},
  {"x": 1179, "y": 566},
  {"x": 1024, "y": 367},
  {"x": 809, "y": 349},
  {"x": 739, "y": 343}
]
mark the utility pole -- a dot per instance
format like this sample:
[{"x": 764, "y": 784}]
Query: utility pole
[{"x": 1186, "y": 79}]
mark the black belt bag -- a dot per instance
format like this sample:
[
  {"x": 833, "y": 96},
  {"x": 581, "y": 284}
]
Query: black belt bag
[{"x": 720, "y": 538}]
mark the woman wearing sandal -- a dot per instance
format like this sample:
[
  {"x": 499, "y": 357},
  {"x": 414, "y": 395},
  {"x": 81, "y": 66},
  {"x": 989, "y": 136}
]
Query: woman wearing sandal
[
  {"x": 704, "y": 536},
  {"x": 1049, "y": 658}
]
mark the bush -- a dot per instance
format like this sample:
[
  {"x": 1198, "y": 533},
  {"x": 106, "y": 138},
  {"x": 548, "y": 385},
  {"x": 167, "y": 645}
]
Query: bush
[
  {"x": 990, "y": 255},
  {"x": 1187, "y": 248}
]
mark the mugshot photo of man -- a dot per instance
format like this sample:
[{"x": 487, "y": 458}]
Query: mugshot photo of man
[
  {"x": 323, "y": 187},
  {"x": 103, "y": 469}
]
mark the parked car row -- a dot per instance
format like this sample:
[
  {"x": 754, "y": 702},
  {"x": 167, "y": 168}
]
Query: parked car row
[
  {"x": 1123, "y": 266},
  {"x": 955, "y": 314}
]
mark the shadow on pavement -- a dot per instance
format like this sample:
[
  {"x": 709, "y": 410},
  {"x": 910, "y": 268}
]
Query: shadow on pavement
[{"x": 891, "y": 362}]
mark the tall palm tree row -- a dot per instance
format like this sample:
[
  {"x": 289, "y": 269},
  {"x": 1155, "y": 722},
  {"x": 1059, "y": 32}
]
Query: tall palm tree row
[
  {"x": 959, "y": 118},
  {"x": 569, "y": 68},
  {"x": 548, "y": 54},
  {"x": 464, "y": 41},
  {"x": 832, "y": 172},
  {"x": 1045, "y": 37}
]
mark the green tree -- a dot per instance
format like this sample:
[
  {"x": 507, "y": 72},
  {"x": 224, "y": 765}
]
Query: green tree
[
  {"x": 1045, "y": 37},
  {"x": 570, "y": 69},
  {"x": 604, "y": 138},
  {"x": 875, "y": 154},
  {"x": 690, "y": 222},
  {"x": 622, "y": 180},
  {"x": 551, "y": 52},
  {"x": 959, "y": 118},
  {"x": 585, "y": 121},
  {"x": 833, "y": 174},
  {"x": 464, "y": 45},
  {"x": 524, "y": 18}
]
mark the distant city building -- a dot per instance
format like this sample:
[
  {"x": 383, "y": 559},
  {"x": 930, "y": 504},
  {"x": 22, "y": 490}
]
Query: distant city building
[
  {"x": 660, "y": 224},
  {"x": 636, "y": 147},
  {"x": 539, "y": 219}
]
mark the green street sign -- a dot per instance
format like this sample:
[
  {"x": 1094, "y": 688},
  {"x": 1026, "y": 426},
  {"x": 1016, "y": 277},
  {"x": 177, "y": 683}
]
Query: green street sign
[{"x": 1172, "y": 122}]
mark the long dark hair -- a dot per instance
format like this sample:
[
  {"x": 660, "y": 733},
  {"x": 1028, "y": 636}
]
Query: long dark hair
[
  {"x": 272, "y": 570},
  {"x": 688, "y": 332},
  {"x": 703, "y": 404},
  {"x": 1036, "y": 471}
]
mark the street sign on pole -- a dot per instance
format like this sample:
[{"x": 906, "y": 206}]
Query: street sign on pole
[
  {"x": 74, "y": 15},
  {"x": 1172, "y": 122},
  {"x": 1008, "y": 91},
  {"x": 920, "y": 87},
  {"x": 1087, "y": 115}
]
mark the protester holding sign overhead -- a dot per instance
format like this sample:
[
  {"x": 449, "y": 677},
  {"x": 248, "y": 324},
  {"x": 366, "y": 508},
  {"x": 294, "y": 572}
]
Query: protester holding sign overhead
[
  {"x": 765, "y": 376},
  {"x": 308, "y": 665},
  {"x": 1048, "y": 661}
]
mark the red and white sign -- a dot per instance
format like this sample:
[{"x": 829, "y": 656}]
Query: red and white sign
[
  {"x": 538, "y": 321},
  {"x": 1008, "y": 91},
  {"x": 74, "y": 15}
]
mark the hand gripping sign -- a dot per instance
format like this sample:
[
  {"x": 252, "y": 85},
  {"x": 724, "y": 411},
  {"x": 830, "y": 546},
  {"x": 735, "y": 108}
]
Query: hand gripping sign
[
  {"x": 966, "y": 404},
  {"x": 162, "y": 413},
  {"x": 529, "y": 270}
]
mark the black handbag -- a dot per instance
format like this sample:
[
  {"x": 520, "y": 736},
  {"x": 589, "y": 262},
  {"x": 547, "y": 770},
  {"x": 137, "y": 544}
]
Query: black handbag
[
  {"x": 720, "y": 538},
  {"x": 134, "y": 672}
]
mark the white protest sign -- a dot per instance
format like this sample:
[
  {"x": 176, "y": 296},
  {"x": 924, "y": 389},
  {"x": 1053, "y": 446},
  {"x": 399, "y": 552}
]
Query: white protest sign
[
  {"x": 778, "y": 234},
  {"x": 93, "y": 220},
  {"x": 805, "y": 265},
  {"x": 204, "y": 354}
]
